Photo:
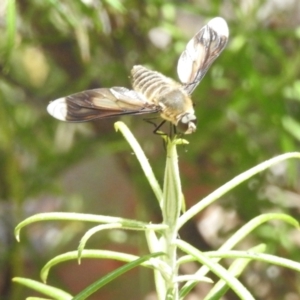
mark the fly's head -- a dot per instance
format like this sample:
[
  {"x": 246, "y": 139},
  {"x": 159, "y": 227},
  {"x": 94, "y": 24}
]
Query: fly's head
[{"x": 187, "y": 123}]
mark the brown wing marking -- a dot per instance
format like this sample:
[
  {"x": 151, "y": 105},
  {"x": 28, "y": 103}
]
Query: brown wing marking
[
  {"x": 200, "y": 52},
  {"x": 100, "y": 103}
]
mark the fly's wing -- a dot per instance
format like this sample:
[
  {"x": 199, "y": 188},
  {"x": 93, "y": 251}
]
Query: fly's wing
[
  {"x": 99, "y": 104},
  {"x": 200, "y": 53}
]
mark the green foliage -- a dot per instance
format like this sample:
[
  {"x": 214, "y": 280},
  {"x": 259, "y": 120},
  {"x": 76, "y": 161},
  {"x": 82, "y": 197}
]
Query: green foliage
[
  {"x": 247, "y": 108},
  {"x": 162, "y": 239}
]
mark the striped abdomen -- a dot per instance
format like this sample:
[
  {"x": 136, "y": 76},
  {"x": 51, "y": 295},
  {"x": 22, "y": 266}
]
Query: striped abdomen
[
  {"x": 152, "y": 84},
  {"x": 164, "y": 92}
]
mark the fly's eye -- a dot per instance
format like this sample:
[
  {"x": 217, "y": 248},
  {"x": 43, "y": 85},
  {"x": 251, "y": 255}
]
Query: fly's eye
[{"x": 187, "y": 123}]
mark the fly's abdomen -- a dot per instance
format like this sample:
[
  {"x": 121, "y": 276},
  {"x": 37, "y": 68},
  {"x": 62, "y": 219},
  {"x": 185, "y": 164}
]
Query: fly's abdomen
[
  {"x": 163, "y": 92},
  {"x": 151, "y": 83}
]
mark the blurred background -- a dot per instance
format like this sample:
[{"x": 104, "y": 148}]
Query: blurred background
[{"x": 248, "y": 109}]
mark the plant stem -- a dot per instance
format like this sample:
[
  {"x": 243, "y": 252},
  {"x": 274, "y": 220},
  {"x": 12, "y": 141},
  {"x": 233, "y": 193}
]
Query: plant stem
[{"x": 172, "y": 203}]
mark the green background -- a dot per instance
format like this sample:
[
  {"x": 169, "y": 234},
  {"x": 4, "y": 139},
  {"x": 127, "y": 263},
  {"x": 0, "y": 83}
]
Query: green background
[{"x": 248, "y": 110}]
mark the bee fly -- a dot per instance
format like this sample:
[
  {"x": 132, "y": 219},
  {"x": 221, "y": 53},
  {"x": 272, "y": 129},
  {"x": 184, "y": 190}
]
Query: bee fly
[{"x": 152, "y": 92}]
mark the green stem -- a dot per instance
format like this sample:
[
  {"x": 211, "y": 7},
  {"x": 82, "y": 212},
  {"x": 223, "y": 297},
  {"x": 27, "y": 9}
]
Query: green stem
[{"x": 172, "y": 203}]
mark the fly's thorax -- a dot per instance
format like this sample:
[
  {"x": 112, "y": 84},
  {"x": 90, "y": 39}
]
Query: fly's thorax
[
  {"x": 177, "y": 107},
  {"x": 176, "y": 100}
]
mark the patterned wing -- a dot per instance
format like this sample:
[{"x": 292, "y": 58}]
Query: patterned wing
[
  {"x": 99, "y": 104},
  {"x": 200, "y": 53}
]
